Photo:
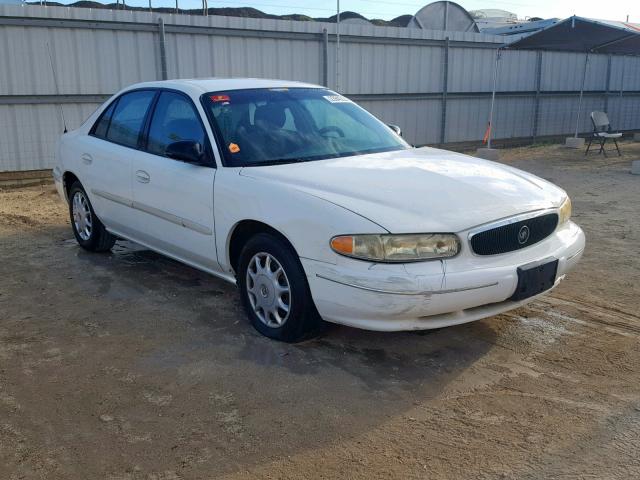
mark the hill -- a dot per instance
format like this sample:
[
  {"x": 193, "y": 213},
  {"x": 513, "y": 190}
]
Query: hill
[{"x": 246, "y": 12}]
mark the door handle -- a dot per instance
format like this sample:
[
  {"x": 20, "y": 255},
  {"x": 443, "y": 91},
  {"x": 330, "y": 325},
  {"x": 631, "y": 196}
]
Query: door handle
[
  {"x": 142, "y": 176},
  {"x": 87, "y": 159}
]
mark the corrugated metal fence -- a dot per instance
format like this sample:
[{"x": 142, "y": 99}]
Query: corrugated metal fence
[{"x": 435, "y": 85}]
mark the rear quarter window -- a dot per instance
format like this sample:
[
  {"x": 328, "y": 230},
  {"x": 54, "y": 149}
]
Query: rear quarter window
[{"x": 100, "y": 128}]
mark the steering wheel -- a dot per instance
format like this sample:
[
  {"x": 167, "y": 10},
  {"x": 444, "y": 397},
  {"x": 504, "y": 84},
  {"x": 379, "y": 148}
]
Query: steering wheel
[{"x": 331, "y": 128}]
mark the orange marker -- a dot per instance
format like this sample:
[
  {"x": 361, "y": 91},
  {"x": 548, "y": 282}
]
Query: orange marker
[{"x": 233, "y": 148}]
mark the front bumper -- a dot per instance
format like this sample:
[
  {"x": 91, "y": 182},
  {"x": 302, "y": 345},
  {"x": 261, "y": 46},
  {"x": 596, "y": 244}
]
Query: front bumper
[{"x": 434, "y": 294}]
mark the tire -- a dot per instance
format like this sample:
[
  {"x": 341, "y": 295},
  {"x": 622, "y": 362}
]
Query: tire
[
  {"x": 87, "y": 228},
  {"x": 261, "y": 297}
]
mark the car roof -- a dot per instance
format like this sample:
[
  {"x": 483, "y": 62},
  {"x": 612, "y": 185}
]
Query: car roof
[{"x": 198, "y": 86}]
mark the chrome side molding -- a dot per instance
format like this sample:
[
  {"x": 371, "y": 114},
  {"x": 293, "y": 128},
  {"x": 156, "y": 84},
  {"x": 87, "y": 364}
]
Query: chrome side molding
[{"x": 156, "y": 212}]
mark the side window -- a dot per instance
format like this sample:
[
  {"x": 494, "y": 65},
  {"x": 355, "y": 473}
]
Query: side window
[
  {"x": 128, "y": 117},
  {"x": 102, "y": 125},
  {"x": 175, "y": 119}
]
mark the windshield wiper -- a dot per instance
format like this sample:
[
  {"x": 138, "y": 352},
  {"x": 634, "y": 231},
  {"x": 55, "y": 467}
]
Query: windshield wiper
[{"x": 280, "y": 161}]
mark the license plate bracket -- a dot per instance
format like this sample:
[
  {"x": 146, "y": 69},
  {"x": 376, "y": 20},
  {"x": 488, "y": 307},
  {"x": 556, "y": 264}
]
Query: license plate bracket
[{"x": 535, "y": 278}]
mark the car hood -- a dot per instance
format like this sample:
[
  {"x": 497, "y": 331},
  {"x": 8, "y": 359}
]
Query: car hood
[{"x": 418, "y": 190}]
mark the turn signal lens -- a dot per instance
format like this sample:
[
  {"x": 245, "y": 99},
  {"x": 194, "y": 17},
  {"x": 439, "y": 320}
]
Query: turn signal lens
[
  {"x": 397, "y": 248},
  {"x": 565, "y": 211},
  {"x": 343, "y": 245}
]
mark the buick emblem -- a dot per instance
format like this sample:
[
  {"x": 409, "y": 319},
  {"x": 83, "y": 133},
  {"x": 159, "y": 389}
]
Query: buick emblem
[{"x": 523, "y": 235}]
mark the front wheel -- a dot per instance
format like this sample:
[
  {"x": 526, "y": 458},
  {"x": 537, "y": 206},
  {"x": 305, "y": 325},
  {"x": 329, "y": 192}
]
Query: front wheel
[
  {"x": 274, "y": 290},
  {"x": 87, "y": 228}
]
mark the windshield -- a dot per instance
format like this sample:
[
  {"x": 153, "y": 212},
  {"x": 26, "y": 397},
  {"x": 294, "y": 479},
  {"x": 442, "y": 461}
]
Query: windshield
[{"x": 279, "y": 125}]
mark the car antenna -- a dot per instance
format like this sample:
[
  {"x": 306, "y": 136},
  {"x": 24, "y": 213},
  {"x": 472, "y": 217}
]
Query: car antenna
[{"x": 55, "y": 84}]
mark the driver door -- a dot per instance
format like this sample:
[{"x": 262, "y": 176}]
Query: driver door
[{"x": 172, "y": 199}]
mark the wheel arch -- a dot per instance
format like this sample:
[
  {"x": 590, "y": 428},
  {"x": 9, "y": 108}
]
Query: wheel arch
[
  {"x": 68, "y": 179},
  {"x": 240, "y": 234}
]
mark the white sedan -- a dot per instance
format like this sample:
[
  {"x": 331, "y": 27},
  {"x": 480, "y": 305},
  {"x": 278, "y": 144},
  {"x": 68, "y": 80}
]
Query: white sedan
[{"x": 312, "y": 206}]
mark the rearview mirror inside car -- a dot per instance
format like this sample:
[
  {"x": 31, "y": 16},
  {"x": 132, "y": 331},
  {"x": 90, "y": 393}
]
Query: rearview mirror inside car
[{"x": 396, "y": 129}]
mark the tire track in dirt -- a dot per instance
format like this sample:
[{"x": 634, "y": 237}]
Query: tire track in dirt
[{"x": 588, "y": 313}]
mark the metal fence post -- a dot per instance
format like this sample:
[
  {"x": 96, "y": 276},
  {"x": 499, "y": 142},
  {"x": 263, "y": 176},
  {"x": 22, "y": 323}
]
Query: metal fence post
[
  {"x": 163, "y": 50},
  {"x": 622, "y": 75},
  {"x": 338, "y": 47},
  {"x": 325, "y": 57},
  {"x": 608, "y": 86},
  {"x": 536, "y": 108},
  {"x": 584, "y": 77},
  {"x": 620, "y": 102},
  {"x": 445, "y": 88}
]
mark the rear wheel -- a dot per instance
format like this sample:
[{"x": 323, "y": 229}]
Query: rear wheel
[
  {"x": 274, "y": 290},
  {"x": 87, "y": 228}
]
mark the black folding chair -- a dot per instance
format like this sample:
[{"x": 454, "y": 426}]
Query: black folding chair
[{"x": 602, "y": 132}]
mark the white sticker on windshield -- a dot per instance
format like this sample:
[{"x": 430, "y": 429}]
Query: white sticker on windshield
[{"x": 337, "y": 99}]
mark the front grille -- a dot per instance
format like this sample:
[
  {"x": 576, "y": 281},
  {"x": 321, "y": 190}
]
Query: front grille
[{"x": 514, "y": 236}]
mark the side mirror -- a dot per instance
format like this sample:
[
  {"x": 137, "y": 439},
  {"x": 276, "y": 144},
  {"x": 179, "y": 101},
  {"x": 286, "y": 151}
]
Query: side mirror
[
  {"x": 186, "y": 151},
  {"x": 396, "y": 129}
]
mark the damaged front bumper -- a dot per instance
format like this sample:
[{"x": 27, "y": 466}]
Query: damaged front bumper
[{"x": 434, "y": 294}]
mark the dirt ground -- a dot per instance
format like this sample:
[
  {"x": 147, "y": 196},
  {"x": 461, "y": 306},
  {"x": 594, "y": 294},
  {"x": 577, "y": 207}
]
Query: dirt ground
[{"x": 131, "y": 366}]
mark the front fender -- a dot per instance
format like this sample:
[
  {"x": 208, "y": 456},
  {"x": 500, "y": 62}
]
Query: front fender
[{"x": 308, "y": 222}]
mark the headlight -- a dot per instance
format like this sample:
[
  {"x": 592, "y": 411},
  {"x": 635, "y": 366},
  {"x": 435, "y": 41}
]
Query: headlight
[
  {"x": 397, "y": 248},
  {"x": 565, "y": 211}
]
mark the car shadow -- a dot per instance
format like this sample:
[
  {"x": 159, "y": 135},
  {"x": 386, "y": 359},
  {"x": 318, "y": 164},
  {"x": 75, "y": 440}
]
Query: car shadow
[
  {"x": 376, "y": 358},
  {"x": 201, "y": 350}
]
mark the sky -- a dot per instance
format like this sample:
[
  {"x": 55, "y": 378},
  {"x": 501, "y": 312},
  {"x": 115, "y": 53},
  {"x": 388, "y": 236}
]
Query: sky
[{"x": 388, "y": 9}]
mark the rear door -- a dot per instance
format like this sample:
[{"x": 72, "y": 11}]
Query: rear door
[
  {"x": 106, "y": 156},
  {"x": 173, "y": 200}
]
